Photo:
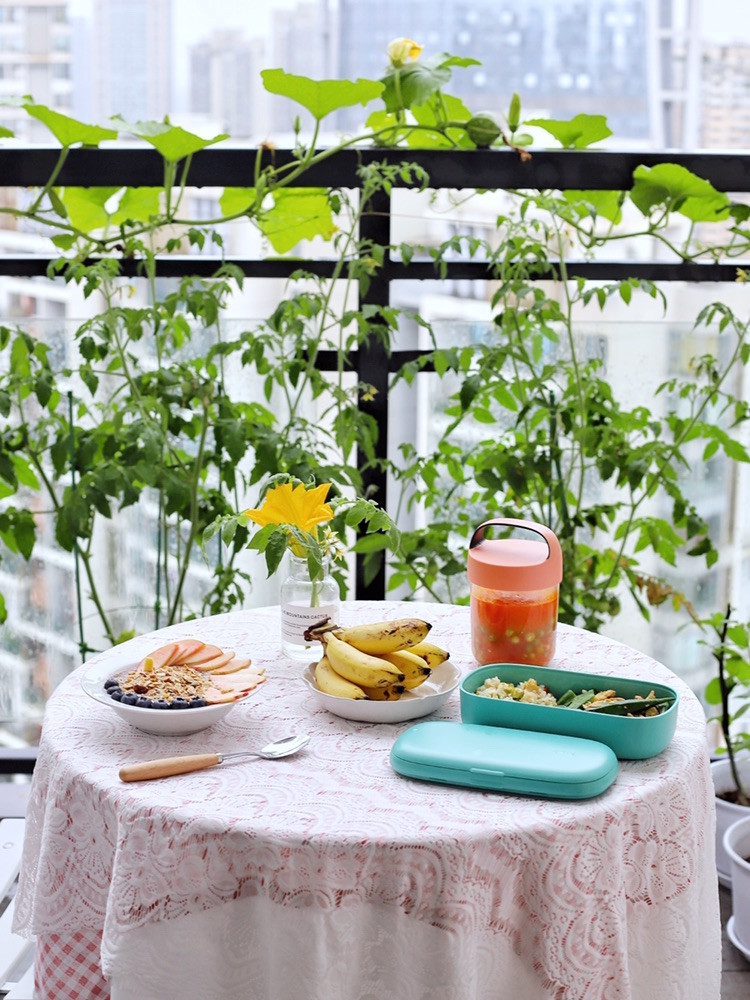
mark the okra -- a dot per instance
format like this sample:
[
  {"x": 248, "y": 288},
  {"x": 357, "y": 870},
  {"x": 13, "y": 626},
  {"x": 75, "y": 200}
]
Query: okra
[{"x": 632, "y": 706}]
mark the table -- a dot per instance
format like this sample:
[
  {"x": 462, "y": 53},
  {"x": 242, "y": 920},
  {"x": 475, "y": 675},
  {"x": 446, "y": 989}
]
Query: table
[{"x": 326, "y": 876}]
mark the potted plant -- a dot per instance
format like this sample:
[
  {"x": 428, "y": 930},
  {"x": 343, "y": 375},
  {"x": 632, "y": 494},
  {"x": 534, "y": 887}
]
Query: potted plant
[{"x": 729, "y": 689}]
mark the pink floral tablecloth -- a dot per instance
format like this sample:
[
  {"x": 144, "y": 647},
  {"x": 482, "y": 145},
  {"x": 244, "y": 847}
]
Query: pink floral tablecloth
[{"x": 614, "y": 897}]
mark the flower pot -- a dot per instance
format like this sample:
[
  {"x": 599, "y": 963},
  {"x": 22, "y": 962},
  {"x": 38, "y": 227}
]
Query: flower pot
[
  {"x": 727, "y": 813},
  {"x": 736, "y": 844}
]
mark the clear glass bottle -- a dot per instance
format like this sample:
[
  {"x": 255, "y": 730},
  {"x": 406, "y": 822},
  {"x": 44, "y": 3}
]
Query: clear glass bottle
[{"x": 303, "y": 603}]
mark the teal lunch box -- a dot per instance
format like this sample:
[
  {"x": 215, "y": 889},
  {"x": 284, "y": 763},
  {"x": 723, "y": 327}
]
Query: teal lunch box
[
  {"x": 543, "y": 765},
  {"x": 630, "y": 737}
]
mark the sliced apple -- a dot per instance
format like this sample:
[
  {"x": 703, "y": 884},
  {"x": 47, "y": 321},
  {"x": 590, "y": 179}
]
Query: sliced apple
[
  {"x": 161, "y": 656},
  {"x": 235, "y": 664},
  {"x": 216, "y": 697},
  {"x": 220, "y": 696},
  {"x": 208, "y": 666},
  {"x": 203, "y": 655},
  {"x": 186, "y": 648}
]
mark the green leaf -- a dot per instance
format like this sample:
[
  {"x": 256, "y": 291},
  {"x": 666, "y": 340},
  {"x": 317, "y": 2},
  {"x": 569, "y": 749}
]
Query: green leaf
[
  {"x": 320, "y": 97},
  {"x": 424, "y": 114},
  {"x": 67, "y": 130},
  {"x": 173, "y": 142},
  {"x": 578, "y": 133},
  {"x": 297, "y": 214},
  {"x": 713, "y": 692},
  {"x": 415, "y": 83},
  {"x": 671, "y": 186},
  {"x": 85, "y": 206},
  {"x": 138, "y": 204},
  {"x": 236, "y": 200},
  {"x": 5, "y": 133},
  {"x": 607, "y": 204},
  {"x": 63, "y": 241}
]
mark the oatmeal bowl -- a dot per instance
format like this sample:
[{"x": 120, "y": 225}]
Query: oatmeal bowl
[{"x": 179, "y": 688}]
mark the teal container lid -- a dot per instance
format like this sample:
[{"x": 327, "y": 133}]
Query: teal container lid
[
  {"x": 542, "y": 765},
  {"x": 631, "y": 738}
]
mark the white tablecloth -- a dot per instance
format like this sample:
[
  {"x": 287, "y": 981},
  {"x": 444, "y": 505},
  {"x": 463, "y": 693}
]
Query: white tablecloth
[{"x": 326, "y": 876}]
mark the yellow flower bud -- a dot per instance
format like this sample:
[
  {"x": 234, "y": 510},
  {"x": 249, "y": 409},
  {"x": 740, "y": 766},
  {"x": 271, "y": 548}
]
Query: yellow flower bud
[{"x": 401, "y": 50}]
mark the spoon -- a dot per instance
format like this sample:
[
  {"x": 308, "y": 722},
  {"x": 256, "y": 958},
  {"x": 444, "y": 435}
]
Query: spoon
[{"x": 198, "y": 761}]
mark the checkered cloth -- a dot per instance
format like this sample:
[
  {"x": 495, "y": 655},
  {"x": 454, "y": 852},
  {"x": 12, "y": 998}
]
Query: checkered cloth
[{"x": 67, "y": 968}]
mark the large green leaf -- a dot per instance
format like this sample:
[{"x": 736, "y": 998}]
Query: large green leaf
[
  {"x": 424, "y": 114},
  {"x": 578, "y": 133},
  {"x": 173, "y": 142},
  {"x": 416, "y": 82},
  {"x": 235, "y": 200},
  {"x": 320, "y": 97},
  {"x": 298, "y": 213},
  {"x": 137, "y": 205},
  {"x": 6, "y": 133},
  {"x": 671, "y": 186},
  {"x": 67, "y": 130},
  {"x": 85, "y": 206},
  {"x": 607, "y": 204}
]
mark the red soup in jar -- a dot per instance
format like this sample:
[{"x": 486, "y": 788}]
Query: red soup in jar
[
  {"x": 515, "y": 584},
  {"x": 513, "y": 628}
]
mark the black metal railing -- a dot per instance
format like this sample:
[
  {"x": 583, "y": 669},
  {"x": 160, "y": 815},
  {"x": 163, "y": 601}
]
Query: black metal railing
[{"x": 447, "y": 169}]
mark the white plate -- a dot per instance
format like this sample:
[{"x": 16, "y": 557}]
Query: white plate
[
  {"x": 424, "y": 700},
  {"x": 158, "y": 722}
]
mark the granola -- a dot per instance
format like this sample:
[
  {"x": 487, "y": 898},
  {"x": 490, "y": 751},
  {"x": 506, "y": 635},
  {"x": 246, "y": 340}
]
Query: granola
[{"x": 166, "y": 682}]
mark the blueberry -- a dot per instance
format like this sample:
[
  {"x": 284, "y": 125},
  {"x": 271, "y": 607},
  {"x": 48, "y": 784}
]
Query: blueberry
[
  {"x": 179, "y": 703},
  {"x": 129, "y": 699},
  {"x": 197, "y": 703},
  {"x": 144, "y": 703},
  {"x": 111, "y": 683},
  {"x": 115, "y": 693},
  {"x": 160, "y": 703}
]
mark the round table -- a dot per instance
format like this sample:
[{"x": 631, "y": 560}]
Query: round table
[{"x": 327, "y": 876}]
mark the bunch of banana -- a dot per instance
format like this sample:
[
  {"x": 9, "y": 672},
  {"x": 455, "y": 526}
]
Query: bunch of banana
[{"x": 378, "y": 661}]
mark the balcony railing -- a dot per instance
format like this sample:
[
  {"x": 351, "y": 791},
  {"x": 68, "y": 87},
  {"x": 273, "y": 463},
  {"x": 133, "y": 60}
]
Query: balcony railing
[{"x": 453, "y": 170}]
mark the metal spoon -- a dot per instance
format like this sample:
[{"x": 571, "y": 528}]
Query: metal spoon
[{"x": 198, "y": 761}]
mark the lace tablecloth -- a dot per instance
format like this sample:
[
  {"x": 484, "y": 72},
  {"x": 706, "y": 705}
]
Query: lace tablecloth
[{"x": 305, "y": 877}]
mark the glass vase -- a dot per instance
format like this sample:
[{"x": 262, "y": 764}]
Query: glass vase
[{"x": 304, "y": 602}]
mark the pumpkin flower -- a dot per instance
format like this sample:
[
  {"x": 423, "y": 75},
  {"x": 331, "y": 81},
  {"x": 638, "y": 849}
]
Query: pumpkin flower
[
  {"x": 294, "y": 505},
  {"x": 401, "y": 50}
]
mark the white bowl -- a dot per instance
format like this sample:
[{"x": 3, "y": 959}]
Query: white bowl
[
  {"x": 158, "y": 722},
  {"x": 415, "y": 704}
]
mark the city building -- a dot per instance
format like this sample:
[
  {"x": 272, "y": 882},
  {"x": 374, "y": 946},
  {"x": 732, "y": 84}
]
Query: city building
[
  {"x": 131, "y": 59},
  {"x": 35, "y": 60},
  {"x": 225, "y": 83},
  {"x": 725, "y": 97}
]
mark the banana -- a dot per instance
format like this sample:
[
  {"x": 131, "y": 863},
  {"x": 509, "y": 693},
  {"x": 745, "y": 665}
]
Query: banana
[
  {"x": 391, "y": 693},
  {"x": 328, "y": 681},
  {"x": 413, "y": 667},
  {"x": 385, "y": 637},
  {"x": 358, "y": 667},
  {"x": 433, "y": 655}
]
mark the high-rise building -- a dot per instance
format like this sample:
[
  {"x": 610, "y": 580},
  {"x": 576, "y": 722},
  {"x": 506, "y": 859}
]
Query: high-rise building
[
  {"x": 725, "y": 97},
  {"x": 132, "y": 59},
  {"x": 225, "y": 83},
  {"x": 563, "y": 57},
  {"x": 35, "y": 59}
]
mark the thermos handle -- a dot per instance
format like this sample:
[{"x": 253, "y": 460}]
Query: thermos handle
[{"x": 511, "y": 522}]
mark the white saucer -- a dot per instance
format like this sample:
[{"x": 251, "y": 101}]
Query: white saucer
[{"x": 735, "y": 940}]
